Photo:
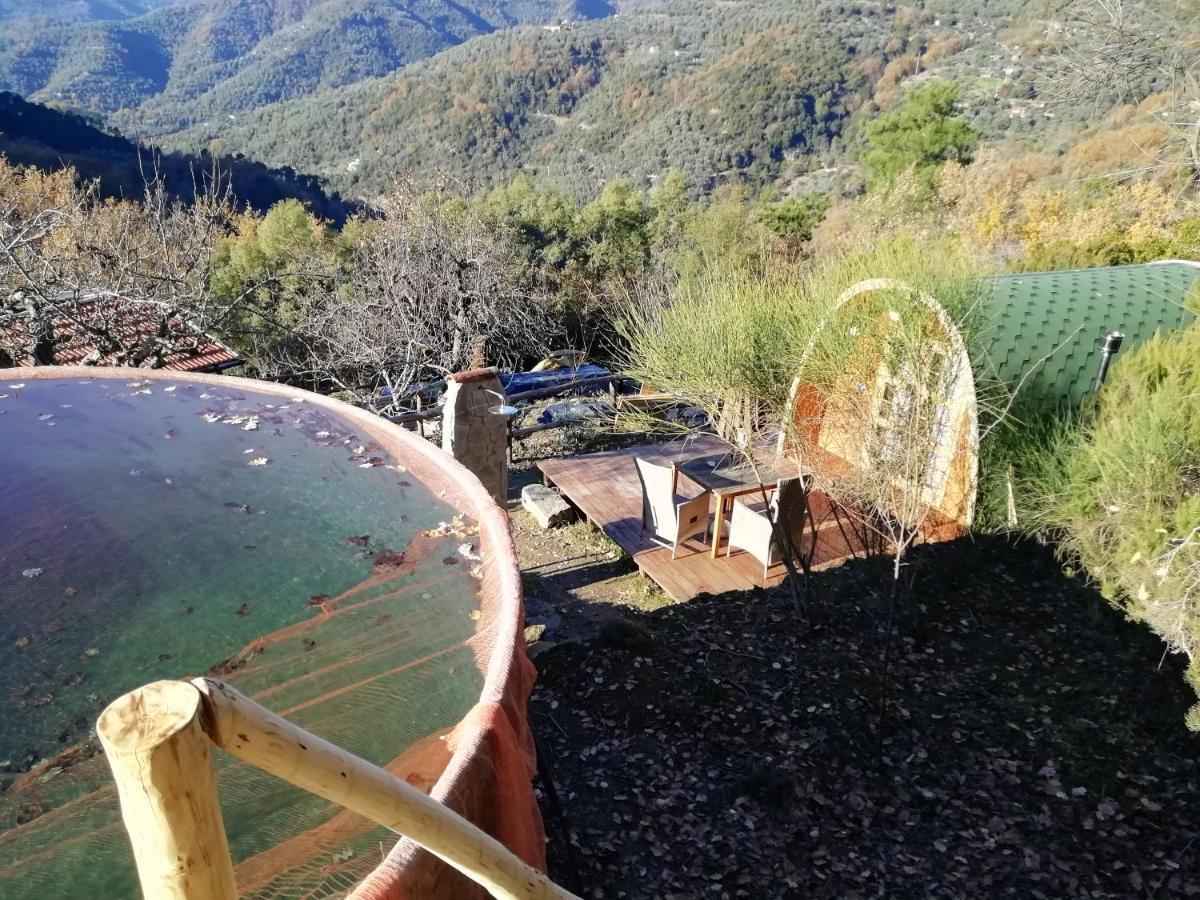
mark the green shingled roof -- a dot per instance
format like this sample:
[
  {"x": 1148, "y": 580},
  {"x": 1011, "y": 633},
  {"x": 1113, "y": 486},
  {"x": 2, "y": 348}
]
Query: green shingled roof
[{"x": 1029, "y": 316}]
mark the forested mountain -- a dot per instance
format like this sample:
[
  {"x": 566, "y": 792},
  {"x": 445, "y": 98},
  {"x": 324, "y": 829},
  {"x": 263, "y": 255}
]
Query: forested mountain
[
  {"x": 76, "y": 10},
  {"x": 196, "y": 59},
  {"x": 756, "y": 89},
  {"x": 32, "y": 134},
  {"x": 767, "y": 93}
]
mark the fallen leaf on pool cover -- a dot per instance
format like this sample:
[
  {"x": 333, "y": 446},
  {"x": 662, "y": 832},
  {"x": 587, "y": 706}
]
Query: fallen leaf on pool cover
[
  {"x": 22, "y": 641},
  {"x": 389, "y": 559},
  {"x": 258, "y": 461},
  {"x": 474, "y": 614},
  {"x": 456, "y": 526},
  {"x": 70, "y": 592}
]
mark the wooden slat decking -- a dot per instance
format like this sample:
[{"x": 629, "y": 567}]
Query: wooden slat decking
[{"x": 605, "y": 487}]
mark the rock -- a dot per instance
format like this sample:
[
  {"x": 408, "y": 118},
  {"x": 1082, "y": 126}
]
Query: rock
[
  {"x": 546, "y": 505},
  {"x": 539, "y": 612},
  {"x": 533, "y": 633},
  {"x": 540, "y": 648}
]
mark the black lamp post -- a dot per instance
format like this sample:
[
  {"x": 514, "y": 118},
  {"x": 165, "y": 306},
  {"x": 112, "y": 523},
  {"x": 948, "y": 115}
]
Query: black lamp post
[{"x": 1110, "y": 343}]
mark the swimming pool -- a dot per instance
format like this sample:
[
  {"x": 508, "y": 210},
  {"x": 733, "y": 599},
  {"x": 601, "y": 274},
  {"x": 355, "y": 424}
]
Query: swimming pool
[{"x": 341, "y": 571}]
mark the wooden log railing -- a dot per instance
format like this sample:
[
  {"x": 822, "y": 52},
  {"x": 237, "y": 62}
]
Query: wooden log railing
[
  {"x": 417, "y": 415},
  {"x": 158, "y": 740}
]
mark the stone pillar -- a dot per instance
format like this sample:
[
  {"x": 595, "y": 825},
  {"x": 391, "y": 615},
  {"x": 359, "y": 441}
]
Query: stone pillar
[{"x": 474, "y": 436}]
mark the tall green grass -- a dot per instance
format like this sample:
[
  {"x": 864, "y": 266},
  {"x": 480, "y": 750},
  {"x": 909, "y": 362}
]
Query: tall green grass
[
  {"x": 1121, "y": 493},
  {"x": 731, "y": 333}
]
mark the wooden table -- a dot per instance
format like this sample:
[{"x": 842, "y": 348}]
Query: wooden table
[{"x": 730, "y": 474}]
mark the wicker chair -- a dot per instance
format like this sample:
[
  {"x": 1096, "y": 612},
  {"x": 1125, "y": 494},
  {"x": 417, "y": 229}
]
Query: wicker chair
[
  {"x": 750, "y": 527},
  {"x": 669, "y": 518}
]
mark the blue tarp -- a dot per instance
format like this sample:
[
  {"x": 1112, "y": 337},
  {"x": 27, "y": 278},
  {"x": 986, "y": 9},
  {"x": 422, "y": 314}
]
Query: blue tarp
[{"x": 520, "y": 382}]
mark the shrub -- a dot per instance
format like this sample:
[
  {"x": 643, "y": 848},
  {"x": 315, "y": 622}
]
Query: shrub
[
  {"x": 1122, "y": 493},
  {"x": 795, "y": 218},
  {"x": 923, "y": 133}
]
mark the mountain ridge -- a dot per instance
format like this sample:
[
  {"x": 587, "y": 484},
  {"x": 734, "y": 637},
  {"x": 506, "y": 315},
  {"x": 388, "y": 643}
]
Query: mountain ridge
[
  {"x": 216, "y": 57},
  {"x": 750, "y": 91},
  {"x": 50, "y": 139}
]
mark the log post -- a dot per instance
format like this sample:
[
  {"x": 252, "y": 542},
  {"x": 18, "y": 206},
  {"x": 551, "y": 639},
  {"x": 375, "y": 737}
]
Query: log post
[
  {"x": 257, "y": 736},
  {"x": 161, "y": 759},
  {"x": 473, "y": 432}
]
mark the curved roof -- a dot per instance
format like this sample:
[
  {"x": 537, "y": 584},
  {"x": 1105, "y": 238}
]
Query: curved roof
[{"x": 1045, "y": 326}]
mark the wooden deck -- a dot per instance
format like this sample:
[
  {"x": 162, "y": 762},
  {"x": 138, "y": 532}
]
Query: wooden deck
[{"x": 605, "y": 487}]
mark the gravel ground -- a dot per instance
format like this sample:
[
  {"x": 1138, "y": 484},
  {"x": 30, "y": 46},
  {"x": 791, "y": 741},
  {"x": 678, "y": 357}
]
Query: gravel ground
[{"x": 1031, "y": 742}]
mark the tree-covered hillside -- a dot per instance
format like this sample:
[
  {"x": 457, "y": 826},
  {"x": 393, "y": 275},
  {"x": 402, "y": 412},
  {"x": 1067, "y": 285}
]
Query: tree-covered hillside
[
  {"x": 759, "y": 89},
  {"x": 75, "y": 10},
  {"x": 197, "y": 59},
  {"x": 47, "y": 139}
]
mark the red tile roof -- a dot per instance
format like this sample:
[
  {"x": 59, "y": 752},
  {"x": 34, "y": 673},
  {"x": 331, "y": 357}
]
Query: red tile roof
[{"x": 194, "y": 352}]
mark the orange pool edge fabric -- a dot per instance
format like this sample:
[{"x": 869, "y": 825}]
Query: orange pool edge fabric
[
  {"x": 491, "y": 785},
  {"x": 489, "y": 779}
]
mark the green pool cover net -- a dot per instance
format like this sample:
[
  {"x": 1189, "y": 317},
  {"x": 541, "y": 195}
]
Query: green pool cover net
[{"x": 168, "y": 528}]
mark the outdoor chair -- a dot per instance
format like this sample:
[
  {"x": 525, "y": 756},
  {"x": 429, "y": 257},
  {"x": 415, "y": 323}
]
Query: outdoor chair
[
  {"x": 750, "y": 528},
  {"x": 670, "y": 518}
]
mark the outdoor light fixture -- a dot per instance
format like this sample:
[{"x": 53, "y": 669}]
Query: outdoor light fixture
[
  {"x": 1110, "y": 344},
  {"x": 502, "y": 408}
]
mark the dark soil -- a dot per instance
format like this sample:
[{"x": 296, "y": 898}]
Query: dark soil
[{"x": 1032, "y": 742}]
